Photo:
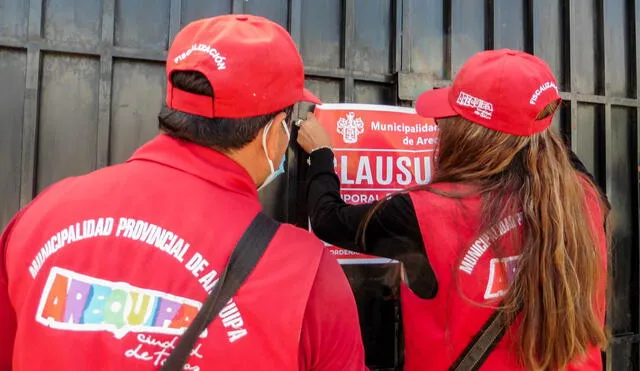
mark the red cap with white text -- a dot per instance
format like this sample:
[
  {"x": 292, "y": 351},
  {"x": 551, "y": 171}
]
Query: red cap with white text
[
  {"x": 251, "y": 63},
  {"x": 503, "y": 90}
]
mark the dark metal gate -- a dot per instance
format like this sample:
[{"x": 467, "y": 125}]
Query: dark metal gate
[{"x": 83, "y": 80}]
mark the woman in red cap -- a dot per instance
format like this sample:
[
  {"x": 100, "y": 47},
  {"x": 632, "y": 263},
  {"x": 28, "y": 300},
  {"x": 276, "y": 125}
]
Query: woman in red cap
[{"x": 505, "y": 251}]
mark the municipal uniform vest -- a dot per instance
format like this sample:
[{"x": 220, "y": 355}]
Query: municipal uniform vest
[
  {"x": 438, "y": 330},
  {"x": 107, "y": 269}
]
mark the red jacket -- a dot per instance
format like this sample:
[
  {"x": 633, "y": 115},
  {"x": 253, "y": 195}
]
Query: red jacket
[
  {"x": 103, "y": 271},
  {"x": 439, "y": 329}
]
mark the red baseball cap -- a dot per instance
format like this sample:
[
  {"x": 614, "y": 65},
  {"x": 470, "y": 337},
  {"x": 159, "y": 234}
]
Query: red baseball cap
[
  {"x": 251, "y": 62},
  {"x": 503, "y": 90}
]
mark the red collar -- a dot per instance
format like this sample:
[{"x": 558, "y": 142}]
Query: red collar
[{"x": 207, "y": 164}]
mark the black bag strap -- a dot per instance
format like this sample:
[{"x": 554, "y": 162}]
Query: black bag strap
[
  {"x": 243, "y": 259},
  {"x": 476, "y": 353}
]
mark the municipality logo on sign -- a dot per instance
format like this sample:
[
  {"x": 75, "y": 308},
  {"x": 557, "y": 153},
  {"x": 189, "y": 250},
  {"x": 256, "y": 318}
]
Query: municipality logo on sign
[{"x": 350, "y": 128}]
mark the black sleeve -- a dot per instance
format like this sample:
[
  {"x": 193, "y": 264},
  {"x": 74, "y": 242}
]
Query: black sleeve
[{"x": 393, "y": 231}]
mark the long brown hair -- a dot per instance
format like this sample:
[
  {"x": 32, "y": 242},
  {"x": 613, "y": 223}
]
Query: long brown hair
[{"x": 560, "y": 274}]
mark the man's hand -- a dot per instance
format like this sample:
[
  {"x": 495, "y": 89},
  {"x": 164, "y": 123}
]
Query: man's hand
[{"x": 312, "y": 135}]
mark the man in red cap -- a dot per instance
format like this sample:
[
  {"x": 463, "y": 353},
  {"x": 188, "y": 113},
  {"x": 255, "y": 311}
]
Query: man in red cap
[{"x": 104, "y": 271}]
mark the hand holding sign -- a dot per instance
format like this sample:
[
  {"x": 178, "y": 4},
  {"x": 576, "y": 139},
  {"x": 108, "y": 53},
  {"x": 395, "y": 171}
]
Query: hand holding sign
[
  {"x": 378, "y": 150},
  {"x": 312, "y": 135}
]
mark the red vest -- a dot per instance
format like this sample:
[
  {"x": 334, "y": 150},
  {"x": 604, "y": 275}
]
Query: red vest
[
  {"x": 105, "y": 270},
  {"x": 438, "y": 330}
]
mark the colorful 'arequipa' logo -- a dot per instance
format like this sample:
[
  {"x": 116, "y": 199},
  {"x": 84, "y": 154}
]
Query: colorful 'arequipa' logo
[
  {"x": 501, "y": 274},
  {"x": 75, "y": 302}
]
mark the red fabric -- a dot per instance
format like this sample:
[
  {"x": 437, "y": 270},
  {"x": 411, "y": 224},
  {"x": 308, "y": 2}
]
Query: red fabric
[
  {"x": 330, "y": 332},
  {"x": 115, "y": 300},
  {"x": 504, "y": 90},
  {"x": 438, "y": 330},
  {"x": 246, "y": 59},
  {"x": 7, "y": 314}
]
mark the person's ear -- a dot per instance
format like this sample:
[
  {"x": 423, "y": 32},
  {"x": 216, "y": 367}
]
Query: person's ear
[{"x": 276, "y": 139}]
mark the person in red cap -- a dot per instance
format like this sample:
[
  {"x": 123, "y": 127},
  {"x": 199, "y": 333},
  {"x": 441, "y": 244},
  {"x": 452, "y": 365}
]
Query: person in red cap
[
  {"x": 505, "y": 251},
  {"x": 104, "y": 271}
]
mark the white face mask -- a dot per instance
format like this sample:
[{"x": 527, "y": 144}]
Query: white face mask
[{"x": 274, "y": 172}]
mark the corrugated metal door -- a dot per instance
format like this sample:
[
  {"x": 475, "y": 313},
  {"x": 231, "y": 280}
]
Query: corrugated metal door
[{"x": 83, "y": 81}]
